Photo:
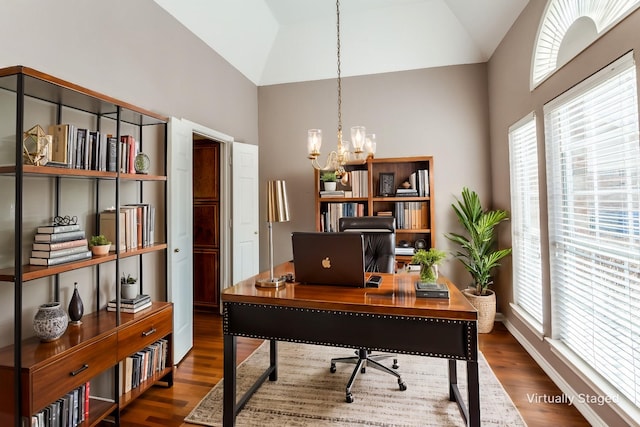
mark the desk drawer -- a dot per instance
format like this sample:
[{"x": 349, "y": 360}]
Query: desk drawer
[
  {"x": 143, "y": 332},
  {"x": 68, "y": 372}
]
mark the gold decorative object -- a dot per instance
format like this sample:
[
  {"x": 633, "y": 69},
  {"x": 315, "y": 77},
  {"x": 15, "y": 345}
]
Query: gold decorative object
[{"x": 36, "y": 146}]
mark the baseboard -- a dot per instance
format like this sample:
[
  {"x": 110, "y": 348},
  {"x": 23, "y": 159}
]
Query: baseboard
[{"x": 590, "y": 415}]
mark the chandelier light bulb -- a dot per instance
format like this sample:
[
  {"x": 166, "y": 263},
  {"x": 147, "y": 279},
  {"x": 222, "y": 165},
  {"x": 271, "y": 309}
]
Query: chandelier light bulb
[
  {"x": 358, "y": 137},
  {"x": 314, "y": 142}
]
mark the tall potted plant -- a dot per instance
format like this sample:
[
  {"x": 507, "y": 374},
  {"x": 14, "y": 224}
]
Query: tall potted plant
[{"x": 478, "y": 253}]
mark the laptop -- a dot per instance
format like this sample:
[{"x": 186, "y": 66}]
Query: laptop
[{"x": 328, "y": 258}]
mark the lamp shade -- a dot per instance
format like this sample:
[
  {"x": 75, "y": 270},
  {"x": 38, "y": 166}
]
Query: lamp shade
[{"x": 277, "y": 204}]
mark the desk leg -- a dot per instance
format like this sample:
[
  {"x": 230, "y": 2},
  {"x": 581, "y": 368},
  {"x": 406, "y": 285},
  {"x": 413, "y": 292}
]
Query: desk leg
[
  {"x": 229, "y": 378},
  {"x": 453, "y": 380},
  {"x": 273, "y": 359},
  {"x": 474, "y": 393}
]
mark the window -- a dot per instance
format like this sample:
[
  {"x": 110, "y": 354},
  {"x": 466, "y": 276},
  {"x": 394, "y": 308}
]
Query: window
[
  {"x": 593, "y": 175},
  {"x": 569, "y": 26},
  {"x": 525, "y": 219}
]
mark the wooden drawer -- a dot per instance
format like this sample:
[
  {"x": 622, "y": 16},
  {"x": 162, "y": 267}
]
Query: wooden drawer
[
  {"x": 64, "y": 374},
  {"x": 144, "y": 331}
]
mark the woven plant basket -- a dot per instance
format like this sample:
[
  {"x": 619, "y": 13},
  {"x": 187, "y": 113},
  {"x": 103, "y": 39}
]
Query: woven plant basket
[{"x": 486, "y": 306}]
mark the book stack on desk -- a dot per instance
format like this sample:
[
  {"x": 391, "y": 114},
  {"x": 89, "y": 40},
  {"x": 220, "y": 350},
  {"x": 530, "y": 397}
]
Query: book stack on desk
[
  {"x": 432, "y": 290},
  {"x": 133, "y": 305}
]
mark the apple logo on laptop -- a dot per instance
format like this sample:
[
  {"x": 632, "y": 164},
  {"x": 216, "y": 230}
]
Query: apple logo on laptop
[{"x": 326, "y": 263}]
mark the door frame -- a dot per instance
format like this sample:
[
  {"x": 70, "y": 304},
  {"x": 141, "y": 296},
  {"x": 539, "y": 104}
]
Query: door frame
[{"x": 225, "y": 196}]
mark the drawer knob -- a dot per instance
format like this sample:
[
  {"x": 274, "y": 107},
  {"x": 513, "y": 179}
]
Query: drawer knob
[
  {"x": 77, "y": 371},
  {"x": 149, "y": 332}
]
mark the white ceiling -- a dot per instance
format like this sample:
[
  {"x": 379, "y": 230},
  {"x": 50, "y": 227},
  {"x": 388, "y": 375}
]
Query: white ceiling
[{"x": 281, "y": 41}]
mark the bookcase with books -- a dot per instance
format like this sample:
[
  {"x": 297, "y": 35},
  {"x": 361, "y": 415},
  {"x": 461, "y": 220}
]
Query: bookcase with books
[
  {"x": 60, "y": 188},
  {"x": 400, "y": 187}
]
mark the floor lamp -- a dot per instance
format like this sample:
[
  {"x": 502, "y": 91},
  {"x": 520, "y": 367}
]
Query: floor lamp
[{"x": 277, "y": 211}]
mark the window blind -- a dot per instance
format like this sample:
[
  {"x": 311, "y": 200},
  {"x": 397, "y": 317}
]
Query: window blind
[
  {"x": 593, "y": 175},
  {"x": 525, "y": 218}
]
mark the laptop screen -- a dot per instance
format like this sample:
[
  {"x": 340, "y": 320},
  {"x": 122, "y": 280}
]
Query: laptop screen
[{"x": 329, "y": 258}]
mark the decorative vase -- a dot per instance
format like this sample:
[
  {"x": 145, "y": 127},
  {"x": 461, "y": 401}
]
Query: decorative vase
[
  {"x": 486, "y": 306},
  {"x": 428, "y": 273},
  {"x": 141, "y": 163},
  {"x": 76, "y": 308},
  {"x": 50, "y": 322}
]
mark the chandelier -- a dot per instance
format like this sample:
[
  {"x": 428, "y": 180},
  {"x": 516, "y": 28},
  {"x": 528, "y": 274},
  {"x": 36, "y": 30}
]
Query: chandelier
[{"x": 364, "y": 145}]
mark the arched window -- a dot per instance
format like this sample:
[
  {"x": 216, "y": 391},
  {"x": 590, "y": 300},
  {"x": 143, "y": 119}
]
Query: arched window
[{"x": 569, "y": 26}]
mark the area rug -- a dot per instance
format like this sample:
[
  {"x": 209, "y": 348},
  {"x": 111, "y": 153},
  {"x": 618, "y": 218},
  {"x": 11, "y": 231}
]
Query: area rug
[{"x": 307, "y": 394}]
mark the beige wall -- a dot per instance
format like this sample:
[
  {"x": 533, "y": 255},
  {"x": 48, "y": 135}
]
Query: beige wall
[
  {"x": 442, "y": 112},
  {"x": 510, "y": 98},
  {"x": 130, "y": 50}
]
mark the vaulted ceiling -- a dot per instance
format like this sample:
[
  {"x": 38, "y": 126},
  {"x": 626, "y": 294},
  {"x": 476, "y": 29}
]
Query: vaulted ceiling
[{"x": 281, "y": 41}]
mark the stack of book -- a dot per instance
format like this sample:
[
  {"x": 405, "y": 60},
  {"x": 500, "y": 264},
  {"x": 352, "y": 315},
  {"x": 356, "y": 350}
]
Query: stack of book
[
  {"x": 133, "y": 305},
  {"x": 58, "y": 244},
  {"x": 406, "y": 192}
]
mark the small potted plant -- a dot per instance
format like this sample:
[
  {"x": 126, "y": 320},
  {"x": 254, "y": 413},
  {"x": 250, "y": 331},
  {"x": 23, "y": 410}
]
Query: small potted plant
[
  {"x": 329, "y": 179},
  {"x": 428, "y": 261},
  {"x": 128, "y": 288},
  {"x": 100, "y": 245}
]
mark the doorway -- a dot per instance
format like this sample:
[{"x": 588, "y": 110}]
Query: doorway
[{"x": 206, "y": 223}]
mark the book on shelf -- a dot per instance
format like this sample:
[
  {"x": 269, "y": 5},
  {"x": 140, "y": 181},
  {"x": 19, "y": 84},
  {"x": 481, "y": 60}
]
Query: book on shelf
[
  {"x": 131, "y": 309},
  {"x": 332, "y": 193},
  {"x": 60, "y": 252},
  {"x": 131, "y": 302},
  {"x": 61, "y": 145},
  {"x": 60, "y": 237},
  {"x": 384, "y": 213},
  {"x": 406, "y": 192},
  {"x": 404, "y": 251},
  {"x": 107, "y": 220},
  {"x": 59, "y": 245},
  {"x": 431, "y": 290},
  {"x": 60, "y": 260},
  {"x": 51, "y": 229}
]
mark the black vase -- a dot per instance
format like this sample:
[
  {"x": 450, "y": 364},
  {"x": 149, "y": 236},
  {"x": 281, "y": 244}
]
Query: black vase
[{"x": 76, "y": 309}]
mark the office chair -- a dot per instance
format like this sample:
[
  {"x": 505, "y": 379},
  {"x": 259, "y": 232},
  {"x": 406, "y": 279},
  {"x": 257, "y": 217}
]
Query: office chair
[{"x": 379, "y": 252}]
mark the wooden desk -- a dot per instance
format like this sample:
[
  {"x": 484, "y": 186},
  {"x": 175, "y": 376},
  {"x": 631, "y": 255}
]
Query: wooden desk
[{"x": 346, "y": 317}]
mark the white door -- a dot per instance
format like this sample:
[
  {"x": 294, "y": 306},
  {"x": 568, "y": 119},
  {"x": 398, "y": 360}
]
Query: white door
[
  {"x": 180, "y": 235},
  {"x": 246, "y": 214}
]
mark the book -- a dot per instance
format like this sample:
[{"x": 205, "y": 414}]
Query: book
[
  {"x": 431, "y": 290},
  {"x": 59, "y": 245},
  {"x": 131, "y": 303},
  {"x": 130, "y": 309},
  {"x": 50, "y": 229},
  {"x": 59, "y": 145},
  {"x": 60, "y": 260},
  {"x": 108, "y": 228},
  {"x": 59, "y": 252},
  {"x": 60, "y": 237}
]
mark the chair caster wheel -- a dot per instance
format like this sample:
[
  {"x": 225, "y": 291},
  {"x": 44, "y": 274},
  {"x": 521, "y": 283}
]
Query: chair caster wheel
[
  {"x": 395, "y": 364},
  {"x": 402, "y": 385},
  {"x": 363, "y": 370},
  {"x": 349, "y": 398},
  {"x": 332, "y": 369}
]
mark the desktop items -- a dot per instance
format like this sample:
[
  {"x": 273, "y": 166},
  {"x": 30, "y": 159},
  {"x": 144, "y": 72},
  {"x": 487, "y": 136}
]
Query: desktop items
[
  {"x": 329, "y": 258},
  {"x": 277, "y": 211}
]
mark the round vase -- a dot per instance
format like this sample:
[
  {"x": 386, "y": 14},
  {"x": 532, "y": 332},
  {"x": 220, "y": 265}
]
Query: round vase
[
  {"x": 141, "y": 163},
  {"x": 50, "y": 322},
  {"x": 76, "y": 308}
]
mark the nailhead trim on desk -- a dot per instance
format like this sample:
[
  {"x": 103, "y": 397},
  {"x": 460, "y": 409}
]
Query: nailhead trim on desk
[{"x": 470, "y": 338}]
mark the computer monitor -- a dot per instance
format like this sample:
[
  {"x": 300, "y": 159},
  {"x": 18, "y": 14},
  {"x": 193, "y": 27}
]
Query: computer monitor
[{"x": 329, "y": 258}]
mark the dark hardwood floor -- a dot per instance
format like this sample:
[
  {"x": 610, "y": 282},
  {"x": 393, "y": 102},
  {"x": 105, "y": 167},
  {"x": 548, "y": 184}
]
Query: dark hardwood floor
[{"x": 202, "y": 369}]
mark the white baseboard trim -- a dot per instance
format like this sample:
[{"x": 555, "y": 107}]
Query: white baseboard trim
[{"x": 590, "y": 415}]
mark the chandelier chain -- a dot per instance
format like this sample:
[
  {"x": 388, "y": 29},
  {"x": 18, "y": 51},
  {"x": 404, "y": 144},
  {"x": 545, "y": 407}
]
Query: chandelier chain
[{"x": 339, "y": 79}]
